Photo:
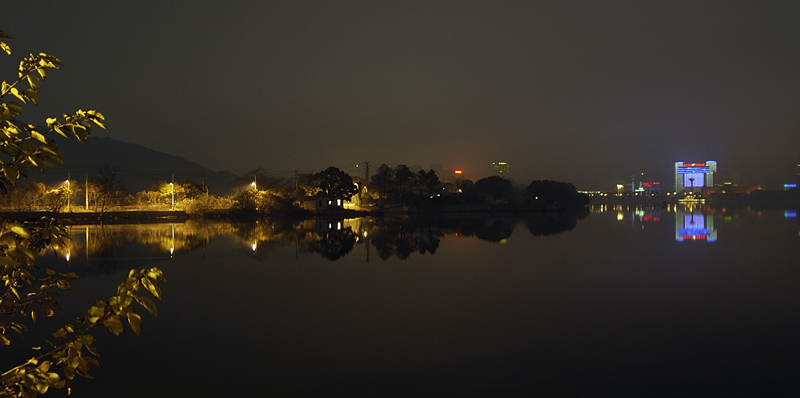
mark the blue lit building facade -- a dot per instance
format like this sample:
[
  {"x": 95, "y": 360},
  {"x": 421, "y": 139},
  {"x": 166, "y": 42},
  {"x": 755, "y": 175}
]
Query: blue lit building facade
[{"x": 693, "y": 177}]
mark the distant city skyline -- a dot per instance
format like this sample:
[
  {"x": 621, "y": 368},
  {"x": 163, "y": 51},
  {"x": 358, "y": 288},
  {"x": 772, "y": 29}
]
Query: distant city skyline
[
  {"x": 99, "y": 151},
  {"x": 586, "y": 92}
]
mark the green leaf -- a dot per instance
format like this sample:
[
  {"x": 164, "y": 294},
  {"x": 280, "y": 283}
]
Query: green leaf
[
  {"x": 60, "y": 333},
  {"x": 61, "y": 132},
  {"x": 15, "y": 107},
  {"x": 5, "y": 48},
  {"x": 148, "y": 304},
  {"x": 113, "y": 324},
  {"x": 4, "y": 340},
  {"x": 91, "y": 349},
  {"x": 17, "y": 94},
  {"x": 79, "y": 132},
  {"x": 97, "y": 118},
  {"x": 44, "y": 367},
  {"x": 95, "y": 313},
  {"x": 29, "y": 392},
  {"x": 156, "y": 274},
  {"x": 33, "y": 81},
  {"x": 42, "y": 387},
  {"x": 31, "y": 95},
  {"x": 152, "y": 287},
  {"x": 69, "y": 372},
  {"x": 63, "y": 285},
  {"x": 11, "y": 173},
  {"x": 83, "y": 368},
  {"x": 47, "y": 311},
  {"x": 136, "y": 322},
  {"x": 38, "y": 137},
  {"x": 20, "y": 231}
]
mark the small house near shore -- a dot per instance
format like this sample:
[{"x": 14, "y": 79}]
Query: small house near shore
[{"x": 316, "y": 203}]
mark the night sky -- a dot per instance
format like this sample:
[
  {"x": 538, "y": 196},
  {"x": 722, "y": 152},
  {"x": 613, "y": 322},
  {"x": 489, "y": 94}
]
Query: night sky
[{"x": 589, "y": 92}]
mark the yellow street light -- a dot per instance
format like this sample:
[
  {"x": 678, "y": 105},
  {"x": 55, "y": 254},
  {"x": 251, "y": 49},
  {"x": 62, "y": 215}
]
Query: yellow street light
[{"x": 69, "y": 193}]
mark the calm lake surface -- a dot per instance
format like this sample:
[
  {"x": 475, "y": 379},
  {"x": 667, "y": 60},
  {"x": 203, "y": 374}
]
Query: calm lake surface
[{"x": 619, "y": 302}]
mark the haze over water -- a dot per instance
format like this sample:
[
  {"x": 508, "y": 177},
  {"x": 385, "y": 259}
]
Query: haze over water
[{"x": 630, "y": 302}]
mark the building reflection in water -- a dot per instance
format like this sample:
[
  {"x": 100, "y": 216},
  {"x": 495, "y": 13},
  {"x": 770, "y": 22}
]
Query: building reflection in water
[
  {"x": 691, "y": 224},
  {"x": 332, "y": 239}
]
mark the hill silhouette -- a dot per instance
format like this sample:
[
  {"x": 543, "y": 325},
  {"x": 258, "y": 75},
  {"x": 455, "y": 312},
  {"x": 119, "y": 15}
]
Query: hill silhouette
[{"x": 139, "y": 167}]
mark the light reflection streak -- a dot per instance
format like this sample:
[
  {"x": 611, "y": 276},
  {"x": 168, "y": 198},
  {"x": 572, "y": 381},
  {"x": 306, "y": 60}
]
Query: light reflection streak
[{"x": 332, "y": 239}]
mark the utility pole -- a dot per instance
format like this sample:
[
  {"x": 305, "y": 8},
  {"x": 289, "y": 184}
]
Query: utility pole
[
  {"x": 69, "y": 193},
  {"x": 366, "y": 176},
  {"x": 86, "y": 170}
]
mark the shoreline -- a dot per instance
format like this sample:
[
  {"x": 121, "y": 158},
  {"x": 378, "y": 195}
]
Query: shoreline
[
  {"x": 139, "y": 216},
  {"x": 160, "y": 216}
]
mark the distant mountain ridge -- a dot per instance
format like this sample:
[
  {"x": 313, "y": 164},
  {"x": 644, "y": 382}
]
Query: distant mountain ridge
[{"x": 139, "y": 167}]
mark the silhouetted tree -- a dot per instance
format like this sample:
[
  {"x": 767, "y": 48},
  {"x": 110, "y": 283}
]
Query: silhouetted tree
[
  {"x": 497, "y": 188},
  {"x": 426, "y": 181},
  {"x": 403, "y": 178},
  {"x": 106, "y": 188},
  {"x": 547, "y": 191},
  {"x": 383, "y": 180},
  {"x": 192, "y": 190},
  {"x": 462, "y": 185},
  {"x": 335, "y": 184},
  {"x": 254, "y": 201}
]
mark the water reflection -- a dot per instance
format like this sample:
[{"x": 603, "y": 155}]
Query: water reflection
[
  {"x": 330, "y": 239},
  {"x": 617, "y": 299},
  {"x": 692, "y": 224}
]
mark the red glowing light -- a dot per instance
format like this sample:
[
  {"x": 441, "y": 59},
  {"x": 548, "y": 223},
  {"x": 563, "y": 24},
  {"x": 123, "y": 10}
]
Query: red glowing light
[
  {"x": 693, "y": 237},
  {"x": 459, "y": 171}
]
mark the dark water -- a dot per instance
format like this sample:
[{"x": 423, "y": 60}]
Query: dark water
[{"x": 655, "y": 302}]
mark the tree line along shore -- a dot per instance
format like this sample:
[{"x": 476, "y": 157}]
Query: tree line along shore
[{"x": 390, "y": 189}]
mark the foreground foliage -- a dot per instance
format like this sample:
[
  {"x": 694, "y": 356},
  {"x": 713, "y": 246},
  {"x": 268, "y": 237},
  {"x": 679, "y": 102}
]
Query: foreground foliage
[
  {"x": 28, "y": 293},
  {"x": 73, "y": 351}
]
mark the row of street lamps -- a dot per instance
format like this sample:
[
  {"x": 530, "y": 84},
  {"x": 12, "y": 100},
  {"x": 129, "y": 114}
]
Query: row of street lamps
[{"x": 69, "y": 197}]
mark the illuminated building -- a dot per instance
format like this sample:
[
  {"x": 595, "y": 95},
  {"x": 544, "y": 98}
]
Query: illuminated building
[
  {"x": 694, "y": 176},
  {"x": 500, "y": 168},
  {"x": 650, "y": 188}
]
